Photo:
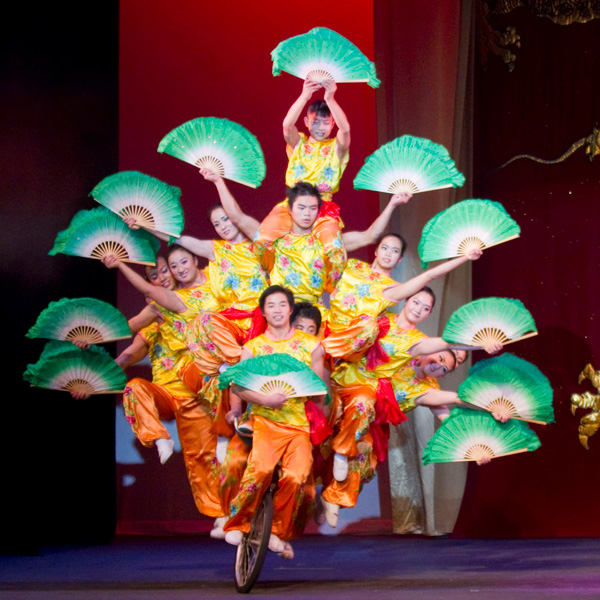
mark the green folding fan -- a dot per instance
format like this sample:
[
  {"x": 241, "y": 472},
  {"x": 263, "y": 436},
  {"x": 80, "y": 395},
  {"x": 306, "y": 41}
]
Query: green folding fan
[
  {"x": 98, "y": 232},
  {"x": 408, "y": 164},
  {"x": 489, "y": 320},
  {"x": 275, "y": 373},
  {"x": 64, "y": 367},
  {"x": 469, "y": 435},
  {"x": 80, "y": 320},
  {"x": 464, "y": 226},
  {"x": 323, "y": 54},
  {"x": 151, "y": 202},
  {"x": 219, "y": 145},
  {"x": 497, "y": 386}
]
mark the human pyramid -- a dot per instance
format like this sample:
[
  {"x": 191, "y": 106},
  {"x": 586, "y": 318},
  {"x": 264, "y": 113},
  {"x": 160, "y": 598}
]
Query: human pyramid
[{"x": 261, "y": 295}]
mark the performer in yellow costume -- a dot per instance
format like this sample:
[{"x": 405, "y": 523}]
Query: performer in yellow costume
[
  {"x": 317, "y": 159},
  {"x": 281, "y": 433},
  {"x": 301, "y": 262},
  {"x": 146, "y": 403}
]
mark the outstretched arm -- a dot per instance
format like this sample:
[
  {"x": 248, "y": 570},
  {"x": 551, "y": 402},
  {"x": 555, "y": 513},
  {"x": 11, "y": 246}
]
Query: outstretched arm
[
  {"x": 290, "y": 131},
  {"x": 146, "y": 316},
  {"x": 166, "y": 298},
  {"x": 401, "y": 291},
  {"x": 135, "y": 352},
  {"x": 343, "y": 134},
  {"x": 430, "y": 345},
  {"x": 245, "y": 223},
  {"x": 353, "y": 240},
  {"x": 198, "y": 247}
]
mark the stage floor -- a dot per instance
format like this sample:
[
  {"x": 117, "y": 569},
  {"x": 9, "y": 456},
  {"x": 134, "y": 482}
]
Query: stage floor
[{"x": 332, "y": 568}]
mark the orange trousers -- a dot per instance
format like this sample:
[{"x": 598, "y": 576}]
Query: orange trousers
[
  {"x": 146, "y": 404},
  {"x": 294, "y": 497}
]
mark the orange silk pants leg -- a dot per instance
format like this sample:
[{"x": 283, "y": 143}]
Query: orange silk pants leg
[
  {"x": 275, "y": 225},
  {"x": 273, "y": 442},
  {"x": 145, "y": 404},
  {"x": 213, "y": 340},
  {"x": 232, "y": 471},
  {"x": 199, "y": 445},
  {"x": 358, "y": 412},
  {"x": 361, "y": 470}
]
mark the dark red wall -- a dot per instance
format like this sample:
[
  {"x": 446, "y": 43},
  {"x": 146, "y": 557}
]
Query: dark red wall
[{"x": 550, "y": 100}]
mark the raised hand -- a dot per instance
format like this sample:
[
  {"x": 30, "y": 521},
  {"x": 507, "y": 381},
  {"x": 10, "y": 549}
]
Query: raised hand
[
  {"x": 400, "y": 198},
  {"x": 310, "y": 87},
  {"x": 110, "y": 261},
  {"x": 474, "y": 254},
  {"x": 130, "y": 222},
  {"x": 330, "y": 88},
  {"x": 210, "y": 175}
]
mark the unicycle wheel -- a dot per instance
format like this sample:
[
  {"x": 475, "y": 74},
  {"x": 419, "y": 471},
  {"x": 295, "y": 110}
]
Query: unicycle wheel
[{"x": 251, "y": 553}]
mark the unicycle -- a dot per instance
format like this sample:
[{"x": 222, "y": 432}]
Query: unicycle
[{"x": 251, "y": 553}]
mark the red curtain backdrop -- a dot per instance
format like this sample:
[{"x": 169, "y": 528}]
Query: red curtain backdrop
[
  {"x": 189, "y": 59},
  {"x": 548, "y": 102}
]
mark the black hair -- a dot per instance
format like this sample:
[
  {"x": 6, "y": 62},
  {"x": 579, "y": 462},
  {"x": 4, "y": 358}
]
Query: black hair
[
  {"x": 427, "y": 290},
  {"x": 402, "y": 241},
  {"x": 306, "y": 310},
  {"x": 176, "y": 247},
  {"x": 213, "y": 208},
  {"x": 319, "y": 108},
  {"x": 275, "y": 289},
  {"x": 303, "y": 188},
  {"x": 455, "y": 360}
]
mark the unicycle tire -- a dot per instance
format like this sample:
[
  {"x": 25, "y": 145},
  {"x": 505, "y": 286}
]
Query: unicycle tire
[{"x": 251, "y": 553}]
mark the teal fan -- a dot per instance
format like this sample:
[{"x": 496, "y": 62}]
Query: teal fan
[
  {"x": 219, "y": 145},
  {"x": 151, "y": 202},
  {"x": 488, "y": 320},
  {"x": 468, "y": 435},
  {"x": 408, "y": 164},
  {"x": 520, "y": 392},
  {"x": 464, "y": 226},
  {"x": 98, "y": 232},
  {"x": 275, "y": 373},
  {"x": 323, "y": 54},
  {"x": 80, "y": 320},
  {"x": 64, "y": 367}
]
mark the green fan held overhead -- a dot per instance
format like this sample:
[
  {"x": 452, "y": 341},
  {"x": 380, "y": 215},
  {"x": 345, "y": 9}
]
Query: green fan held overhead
[
  {"x": 408, "y": 164},
  {"x": 489, "y": 320},
  {"x": 98, "y": 232},
  {"x": 275, "y": 373},
  {"x": 220, "y": 145},
  {"x": 464, "y": 226},
  {"x": 64, "y": 367},
  {"x": 509, "y": 386},
  {"x": 151, "y": 202},
  {"x": 81, "y": 320},
  {"x": 467, "y": 435},
  {"x": 323, "y": 54}
]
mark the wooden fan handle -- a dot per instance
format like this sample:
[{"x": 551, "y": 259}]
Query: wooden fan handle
[{"x": 523, "y": 337}]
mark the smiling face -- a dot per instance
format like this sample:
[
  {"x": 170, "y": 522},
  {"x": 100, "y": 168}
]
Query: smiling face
[
  {"x": 277, "y": 310},
  {"x": 418, "y": 307},
  {"x": 184, "y": 266},
  {"x": 160, "y": 275},
  {"x": 437, "y": 364},
  {"x": 319, "y": 127},
  {"x": 388, "y": 253},
  {"x": 304, "y": 212},
  {"x": 223, "y": 225}
]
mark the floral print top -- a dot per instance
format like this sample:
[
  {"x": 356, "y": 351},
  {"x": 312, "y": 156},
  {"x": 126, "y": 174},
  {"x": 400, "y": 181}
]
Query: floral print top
[
  {"x": 408, "y": 387},
  {"x": 358, "y": 292},
  {"x": 237, "y": 277},
  {"x": 397, "y": 342},
  {"x": 317, "y": 163},
  {"x": 300, "y": 345},
  {"x": 165, "y": 363},
  {"x": 197, "y": 299},
  {"x": 301, "y": 264}
]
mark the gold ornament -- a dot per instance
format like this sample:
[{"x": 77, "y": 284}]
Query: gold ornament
[{"x": 590, "y": 423}]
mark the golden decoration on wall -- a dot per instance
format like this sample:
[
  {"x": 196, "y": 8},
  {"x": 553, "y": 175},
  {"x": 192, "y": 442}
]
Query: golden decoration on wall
[
  {"x": 561, "y": 12},
  {"x": 590, "y": 423},
  {"x": 592, "y": 149}
]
